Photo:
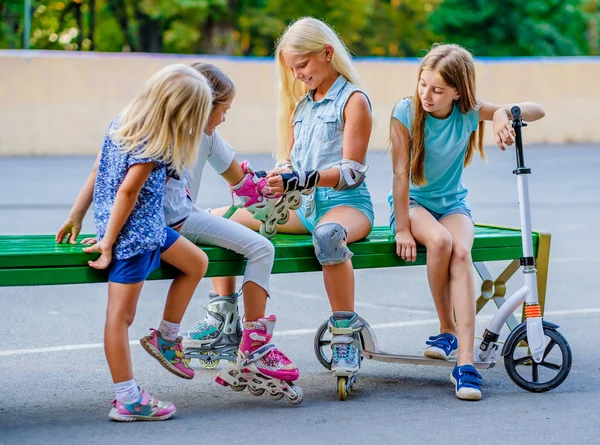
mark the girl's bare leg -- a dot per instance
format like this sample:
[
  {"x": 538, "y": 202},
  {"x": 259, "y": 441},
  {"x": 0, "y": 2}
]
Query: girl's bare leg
[
  {"x": 438, "y": 241},
  {"x": 462, "y": 283}
]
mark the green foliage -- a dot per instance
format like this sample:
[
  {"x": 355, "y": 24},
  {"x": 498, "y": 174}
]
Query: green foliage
[
  {"x": 514, "y": 27},
  {"x": 400, "y": 28}
]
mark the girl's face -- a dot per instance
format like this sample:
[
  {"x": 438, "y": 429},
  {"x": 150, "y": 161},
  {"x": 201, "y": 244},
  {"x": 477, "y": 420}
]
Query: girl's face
[
  {"x": 217, "y": 116},
  {"x": 312, "y": 68},
  {"x": 436, "y": 96}
]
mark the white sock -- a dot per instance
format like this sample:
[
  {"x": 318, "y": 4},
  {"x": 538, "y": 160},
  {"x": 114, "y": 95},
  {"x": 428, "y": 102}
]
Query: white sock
[
  {"x": 127, "y": 392},
  {"x": 168, "y": 330}
]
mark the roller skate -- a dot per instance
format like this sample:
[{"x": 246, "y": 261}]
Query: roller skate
[
  {"x": 264, "y": 206},
  {"x": 218, "y": 336},
  {"x": 261, "y": 366},
  {"x": 346, "y": 349}
]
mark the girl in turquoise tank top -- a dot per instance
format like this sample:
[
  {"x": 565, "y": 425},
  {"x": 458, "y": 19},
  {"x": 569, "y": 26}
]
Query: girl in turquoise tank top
[{"x": 433, "y": 137}]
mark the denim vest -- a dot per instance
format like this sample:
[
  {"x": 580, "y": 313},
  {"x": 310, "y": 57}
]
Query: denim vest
[
  {"x": 319, "y": 128},
  {"x": 319, "y": 131}
]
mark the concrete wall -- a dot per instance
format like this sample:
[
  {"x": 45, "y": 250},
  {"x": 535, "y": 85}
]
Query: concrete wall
[{"x": 61, "y": 102}]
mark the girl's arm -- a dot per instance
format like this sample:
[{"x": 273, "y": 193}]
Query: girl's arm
[
  {"x": 234, "y": 173},
  {"x": 357, "y": 131},
  {"x": 72, "y": 226},
  {"x": 501, "y": 117},
  {"x": 358, "y": 123},
  {"x": 406, "y": 247},
  {"x": 125, "y": 201}
]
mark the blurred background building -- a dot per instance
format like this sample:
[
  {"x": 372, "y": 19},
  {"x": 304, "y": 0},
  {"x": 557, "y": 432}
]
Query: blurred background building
[{"x": 60, "y": 101}]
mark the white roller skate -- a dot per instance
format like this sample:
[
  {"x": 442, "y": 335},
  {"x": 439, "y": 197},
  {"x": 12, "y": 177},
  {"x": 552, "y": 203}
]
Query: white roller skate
[
  {"x": 267, "y": 208},
  {"x": 346, "y": 348},
  {"x": 218, "y": 336},
  {"x": 261, "y": 366}
]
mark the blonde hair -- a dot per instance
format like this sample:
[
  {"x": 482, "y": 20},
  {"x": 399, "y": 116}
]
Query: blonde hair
[
  {"x": 455, "y": 65},
  {"x": 305, "y": 36},
  {"x": 166, "y": 120},
  {"x": 222, "y": 86}
]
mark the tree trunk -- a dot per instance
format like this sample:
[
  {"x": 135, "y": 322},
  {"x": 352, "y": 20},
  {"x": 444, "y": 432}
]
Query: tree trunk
[
  {"x": 217, "y": 34},
  {"x": 92, "y": 27},
  {"x": 149, "y": 33},
  {"x": 78, "y": 20},
  {"x": 120, "y": 11}
]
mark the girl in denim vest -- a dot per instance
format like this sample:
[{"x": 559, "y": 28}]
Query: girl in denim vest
[
  {"x": 324, "y": 129},
  {"x": 434, "y": 136}
]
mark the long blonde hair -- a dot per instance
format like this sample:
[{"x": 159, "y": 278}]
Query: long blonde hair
[
  {"x": 305, "y": 36},
  {"x": 455, "y": 65},
  {"x": 165, "y": 121},
  {"x": 222, "y": 86}
]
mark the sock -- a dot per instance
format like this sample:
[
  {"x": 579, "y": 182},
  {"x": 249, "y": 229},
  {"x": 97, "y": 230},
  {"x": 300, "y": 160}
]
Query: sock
[
  {"x": 168, "y": 330},
  {"x": 127, "y": 392}
]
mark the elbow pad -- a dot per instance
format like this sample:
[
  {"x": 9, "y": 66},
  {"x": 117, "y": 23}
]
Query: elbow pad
[{"x": 352, "y": 174}]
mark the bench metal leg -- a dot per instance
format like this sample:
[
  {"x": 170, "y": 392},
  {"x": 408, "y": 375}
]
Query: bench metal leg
[
  {"x": 542, "y": 261},
  {"x": 496, "y": 289}
]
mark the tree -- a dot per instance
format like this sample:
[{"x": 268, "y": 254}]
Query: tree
[
  {"x": 398, "y": 28},
  {"x": 513, "y": 27}
]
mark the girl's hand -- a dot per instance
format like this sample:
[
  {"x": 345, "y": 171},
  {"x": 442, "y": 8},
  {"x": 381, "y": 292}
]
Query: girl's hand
[
  {"x": 406, "y": 247},
  {"x": 276, "y": 184},
  {"x": 93, "y": 240},
  {"x": 504, "y": 133},
  {"x": 105, "y": 255},
  {"x": 70, "y": 228},
  {"x": 278, "y": 171}
]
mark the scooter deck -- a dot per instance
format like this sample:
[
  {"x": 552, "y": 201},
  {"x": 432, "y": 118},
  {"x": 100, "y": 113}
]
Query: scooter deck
[{"x": 381, "y": 356}]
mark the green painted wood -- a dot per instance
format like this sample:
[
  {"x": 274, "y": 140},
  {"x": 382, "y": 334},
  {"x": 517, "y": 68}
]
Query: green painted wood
[{"x": 39, "y": 260}]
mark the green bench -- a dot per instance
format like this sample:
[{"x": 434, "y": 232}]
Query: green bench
[{"x": 29, "y": 260}]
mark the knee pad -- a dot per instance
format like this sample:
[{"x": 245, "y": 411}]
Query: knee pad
[{"x": 330, "y": 240}]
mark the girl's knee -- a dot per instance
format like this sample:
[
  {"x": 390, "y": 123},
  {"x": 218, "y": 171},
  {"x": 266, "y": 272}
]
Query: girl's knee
[
  {"x": 460, "y": 260},
  {"x": 201, "y": 263},
  {"x": 440, "y": 244},
  {"x": 461, "y": 254},
  {"x": 265, "y": 250},
  {"x": 120, "y": 316}
]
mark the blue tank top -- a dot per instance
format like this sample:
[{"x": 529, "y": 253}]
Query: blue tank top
[{"x": 446, "y": 142}]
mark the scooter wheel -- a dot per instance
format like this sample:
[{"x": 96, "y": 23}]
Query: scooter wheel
[{"x": 546, "y": 375}]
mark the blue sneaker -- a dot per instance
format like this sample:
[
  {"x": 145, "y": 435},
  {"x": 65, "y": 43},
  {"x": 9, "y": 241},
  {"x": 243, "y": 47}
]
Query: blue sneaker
[
  {"x": 467, "y": 382},
  {"x": 442, "y": 346}
]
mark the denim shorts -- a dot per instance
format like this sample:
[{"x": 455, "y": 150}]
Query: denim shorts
[
  {"x": 137, "y": 268},
  {"x": 459, "y": 210},
  {"x": 326, "y": 199}
]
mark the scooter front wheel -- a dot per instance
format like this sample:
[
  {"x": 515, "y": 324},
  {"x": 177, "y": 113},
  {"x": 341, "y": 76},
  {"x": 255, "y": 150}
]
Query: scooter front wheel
[{"x": 546, "y": 375}]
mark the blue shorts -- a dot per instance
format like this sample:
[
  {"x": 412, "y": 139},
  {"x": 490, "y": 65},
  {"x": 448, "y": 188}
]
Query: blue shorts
[
  {"x": 326, "y": 199},
  {"x": 462, "y": 209},
  {"x": 137, "y": 268}
]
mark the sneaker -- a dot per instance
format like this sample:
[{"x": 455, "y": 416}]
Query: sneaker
[
  {"x": 147, "y": 407},
  {"x": 168, "y": 353},
  {"x": 442, "y": 346},
  {"x": 467, "y": 382}
]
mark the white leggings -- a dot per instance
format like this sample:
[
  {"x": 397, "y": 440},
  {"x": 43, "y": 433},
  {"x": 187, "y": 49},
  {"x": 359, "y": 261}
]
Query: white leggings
[{"x": 201, "y": 227}]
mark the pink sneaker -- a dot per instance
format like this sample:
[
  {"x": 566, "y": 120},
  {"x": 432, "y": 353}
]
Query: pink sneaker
[
  {"x": 148, "y": 407},
  {"x": 168, "y": 353}
]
